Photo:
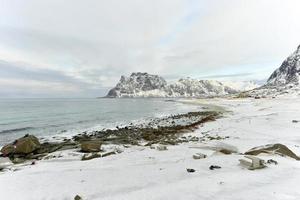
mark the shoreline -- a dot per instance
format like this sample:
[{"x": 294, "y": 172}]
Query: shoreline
[
  {"x": 163, "y": 130},
  {"x": 67, "y": 122}
]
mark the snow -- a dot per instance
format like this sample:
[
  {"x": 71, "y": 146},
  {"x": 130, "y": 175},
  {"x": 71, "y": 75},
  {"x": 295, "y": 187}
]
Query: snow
[
  {"x": 288, "y": 72},
  {"x": 144, "y": 173},
  {"x": 147, "y": 85}
]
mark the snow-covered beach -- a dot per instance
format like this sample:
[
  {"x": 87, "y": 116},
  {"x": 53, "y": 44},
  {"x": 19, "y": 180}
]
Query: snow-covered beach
[{"x": 144, "y": 173}]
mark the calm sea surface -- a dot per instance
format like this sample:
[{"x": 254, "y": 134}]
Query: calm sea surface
[{"x": 48, "y": 117}]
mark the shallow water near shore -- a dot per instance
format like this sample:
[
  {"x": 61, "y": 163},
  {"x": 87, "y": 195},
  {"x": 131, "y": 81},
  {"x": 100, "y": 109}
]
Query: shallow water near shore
[{"x": 49, "y": 117}]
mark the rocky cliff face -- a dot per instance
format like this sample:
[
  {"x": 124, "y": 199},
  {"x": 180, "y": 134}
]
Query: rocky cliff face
[
  {"x": 137, "y": 83},
  {"x": 288, "y": 72},
  {"x": 146, "y": 85},
  {"x": 284, "y": 80},
  {"x": 197, "y": 88}
]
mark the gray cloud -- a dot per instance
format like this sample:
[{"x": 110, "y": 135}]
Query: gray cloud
[{"x": 88, "y": 45}]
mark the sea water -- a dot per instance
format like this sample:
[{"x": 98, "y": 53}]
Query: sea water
[{"x": 49, "y": 117}]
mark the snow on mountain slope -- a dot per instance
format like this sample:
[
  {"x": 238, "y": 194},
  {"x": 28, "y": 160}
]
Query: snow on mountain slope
[
  {"x": 288, "y": 72},
  {"x": 284, "y": 80},
  {"x": 147, "y": 85},
  {"x": 195, "y": 88},
  {"x": 136, "y": 84}
]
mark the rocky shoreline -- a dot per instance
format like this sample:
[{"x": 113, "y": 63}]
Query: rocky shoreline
[{"x": 164, "y": 131}]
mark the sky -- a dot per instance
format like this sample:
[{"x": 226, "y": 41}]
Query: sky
[{"x": 80, "y": 48}]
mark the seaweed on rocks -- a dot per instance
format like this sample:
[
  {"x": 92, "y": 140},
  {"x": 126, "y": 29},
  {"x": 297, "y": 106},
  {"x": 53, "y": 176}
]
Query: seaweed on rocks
[{"x": 161, "y": 130}]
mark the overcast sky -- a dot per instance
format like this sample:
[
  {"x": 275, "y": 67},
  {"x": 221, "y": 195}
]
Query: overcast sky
[{"x": 80, "y": 48}]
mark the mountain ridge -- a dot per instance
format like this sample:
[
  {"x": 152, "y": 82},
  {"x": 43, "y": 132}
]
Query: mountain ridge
[{"x": 140, "y": 84}]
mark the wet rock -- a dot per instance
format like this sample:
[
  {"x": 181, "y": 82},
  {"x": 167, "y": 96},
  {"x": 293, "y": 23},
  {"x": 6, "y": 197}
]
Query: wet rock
[
  {"x": 279, "y": 149},
  {"x": 212, "y": 167},
  {"x": 198, "y": 156},
  {"x": 91, "y": 146},
  {"x": 190, "y": 170}
]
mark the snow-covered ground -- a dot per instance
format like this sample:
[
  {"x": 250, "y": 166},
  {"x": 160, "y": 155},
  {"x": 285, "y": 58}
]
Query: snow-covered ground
[{"x": 143, "y": 173}]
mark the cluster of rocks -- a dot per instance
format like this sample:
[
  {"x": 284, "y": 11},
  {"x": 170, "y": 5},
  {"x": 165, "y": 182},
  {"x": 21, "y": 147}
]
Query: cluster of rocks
[
  {"x": 29, "y": 147},
  {"x": 165, "y": 131},
  {"x": 160, "y": 131}
]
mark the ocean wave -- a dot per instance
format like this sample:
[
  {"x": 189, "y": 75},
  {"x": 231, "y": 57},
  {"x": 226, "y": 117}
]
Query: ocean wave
[{"x": 15, "y": 130}]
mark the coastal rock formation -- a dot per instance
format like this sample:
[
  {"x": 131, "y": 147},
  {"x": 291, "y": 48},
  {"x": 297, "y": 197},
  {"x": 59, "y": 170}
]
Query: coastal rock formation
[{"x": 147, "y": 85}]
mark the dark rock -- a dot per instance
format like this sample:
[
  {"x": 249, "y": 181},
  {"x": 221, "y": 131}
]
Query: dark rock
[
  {"x": 77, "y": 197},
  {"x": 190, "y": 170},
  {"x": 212, "y": 167},
  {"x": 271, "y": 161}
]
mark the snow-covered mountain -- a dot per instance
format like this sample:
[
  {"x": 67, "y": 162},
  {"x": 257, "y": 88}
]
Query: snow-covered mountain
[
  {"x": 288, "y": 72},
  {"x": 147, "y": 85},
  {"x": 136, "y": 84},
  {"x": 284, "y": 80}
]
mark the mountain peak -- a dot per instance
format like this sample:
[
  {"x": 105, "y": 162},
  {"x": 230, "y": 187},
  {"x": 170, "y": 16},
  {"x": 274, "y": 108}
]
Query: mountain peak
[
  {"x": 288, "y": 72},
  {"x": 140, "y": 84}
]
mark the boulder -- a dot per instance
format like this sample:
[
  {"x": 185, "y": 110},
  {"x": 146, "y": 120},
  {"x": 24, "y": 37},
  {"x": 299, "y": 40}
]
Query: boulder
[
  {"x": 91, "y": 146},
  {"x": 279, "y": 149},
  {"x": 26, "y": 144}
]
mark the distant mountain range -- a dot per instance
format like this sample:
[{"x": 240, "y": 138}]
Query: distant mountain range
[
  {"x": 147, "y": 85},
  {"x": 285, "y": 79}
]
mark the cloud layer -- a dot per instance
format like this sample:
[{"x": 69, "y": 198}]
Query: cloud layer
[{"x": 80, "y": 48}]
